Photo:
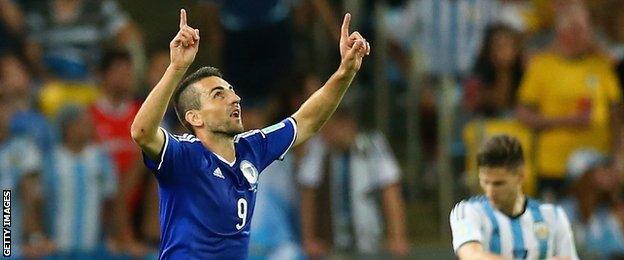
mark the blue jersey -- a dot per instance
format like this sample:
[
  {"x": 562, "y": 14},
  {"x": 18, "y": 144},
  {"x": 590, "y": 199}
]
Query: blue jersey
[{"x": 206, "y": 202}]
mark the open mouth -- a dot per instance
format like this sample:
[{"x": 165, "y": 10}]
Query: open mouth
[{"x": 235, "y": 114}]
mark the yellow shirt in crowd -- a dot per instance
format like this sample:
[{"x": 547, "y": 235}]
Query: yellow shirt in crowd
[
  {"x": 55, "y": 95},
  {"x": 565, "y": 87}
]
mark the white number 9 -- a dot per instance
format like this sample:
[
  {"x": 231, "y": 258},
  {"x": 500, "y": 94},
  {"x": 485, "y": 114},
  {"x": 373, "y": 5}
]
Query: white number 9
[{"x": 242, "y": 212}]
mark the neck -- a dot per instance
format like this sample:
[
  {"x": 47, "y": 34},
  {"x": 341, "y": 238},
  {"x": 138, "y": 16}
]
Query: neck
[
  {"x": 219, "y": 143},
  {"x": 115, "y": 99},
  {"x": 516, "y": 207},
  {"x": 568, "y": 51},
  {"x": 75, "y": 146}
]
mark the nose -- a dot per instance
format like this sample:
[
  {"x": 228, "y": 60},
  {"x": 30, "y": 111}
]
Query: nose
[{"x": 236, "y": 98}]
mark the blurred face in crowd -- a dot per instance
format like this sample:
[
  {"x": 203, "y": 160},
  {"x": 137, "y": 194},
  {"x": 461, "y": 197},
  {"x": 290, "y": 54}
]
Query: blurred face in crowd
[
  {"x": 504, "y": 49},
  {"x": 340, "y": 132},
  {"x": 5, "y": 117},
  {"x": 605, "y": 179},
  {"x": 501, "y": 185},
  {"x": 79, "y": 130},
  {"x": 118, "y": 77},
  {"x": 14, "y": 76},
  {"x": 220, "y": 107},
  {"x": 573, "y": 30}
]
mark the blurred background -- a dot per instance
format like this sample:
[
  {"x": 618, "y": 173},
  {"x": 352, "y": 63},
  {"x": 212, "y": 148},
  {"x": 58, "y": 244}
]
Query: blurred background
[{"x": 383, "y": 174}]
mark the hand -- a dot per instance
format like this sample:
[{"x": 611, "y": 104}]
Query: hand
[
  {"x": 398, "y": 247},
  {"x": 314, "y": 248},
  {"x": 352, "y": 47},
  {"x": 39, "y": 249},
  {"x": 184, "y": 45}
]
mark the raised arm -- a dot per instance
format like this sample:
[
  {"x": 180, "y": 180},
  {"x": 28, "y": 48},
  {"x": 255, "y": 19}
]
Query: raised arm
[
  {"x": 321, "y": 105},
  {"x": 144, "y": 129}
]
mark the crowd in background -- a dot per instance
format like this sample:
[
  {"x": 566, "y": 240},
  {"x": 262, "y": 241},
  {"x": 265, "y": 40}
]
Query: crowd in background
[{"x": 73, "y": 74}]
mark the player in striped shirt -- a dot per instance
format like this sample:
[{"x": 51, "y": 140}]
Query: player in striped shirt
[{"x": 505, "y": 223}]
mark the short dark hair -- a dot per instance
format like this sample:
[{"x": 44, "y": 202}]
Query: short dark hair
[
  {"x": 186, "y": 97},
  {"x": 501, "y": 151},
  {"x": 110, "y": 56}
]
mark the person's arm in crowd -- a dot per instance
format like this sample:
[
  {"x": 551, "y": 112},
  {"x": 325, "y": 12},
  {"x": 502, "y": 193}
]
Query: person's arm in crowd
[
  {"x": 37, "y": 243},
  {"x": 326, "y": 14},
  {"x": 315, "y": 111},
  {"x": 313, "y": 247},
  {"x": 530, "y": 116},
  {"x": 144, "y": 130},
  {"x": 11, "y": 16},
  {"x": 214, "y": 33},
  {"x": 127, "y": 182},
  {"x": 474, "y": 250},
  {"x": 394, "y": 209}
]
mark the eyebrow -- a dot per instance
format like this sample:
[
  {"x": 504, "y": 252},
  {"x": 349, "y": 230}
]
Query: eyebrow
[{"x": 220, "y": 88}]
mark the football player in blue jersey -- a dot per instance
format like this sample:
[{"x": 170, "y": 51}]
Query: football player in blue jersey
[{"x": 207, "y": 179}]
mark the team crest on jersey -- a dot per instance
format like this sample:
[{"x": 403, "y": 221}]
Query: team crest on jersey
[
  {"x": 250, "y": 172},
  {"x": 541, "y": 230}
]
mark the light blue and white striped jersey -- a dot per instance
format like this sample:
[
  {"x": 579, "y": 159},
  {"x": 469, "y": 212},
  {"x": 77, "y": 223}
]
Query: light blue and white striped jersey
[
  {"x": 448, "y": 32},
  {"x": 18, "y": 157},
  {"x": 78, "y": 185},
  {"x": 541, "y": 231}
]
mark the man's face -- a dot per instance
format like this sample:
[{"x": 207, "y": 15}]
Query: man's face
[
  {"x": 500, "y": 185},
  {"x": 119, "y": 77},
  {"x": 220, "y": 109}
]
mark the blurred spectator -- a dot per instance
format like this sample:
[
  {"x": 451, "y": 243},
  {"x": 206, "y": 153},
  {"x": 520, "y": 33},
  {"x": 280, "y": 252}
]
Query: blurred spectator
[
  {"x": 344, "y": 173},
  {"x": 20, "y": 165},
  {"x": 570, "y": 95},
  {"x": 19, "y": 87},
  {"x": 254, "y": 40},
  {"x": 11, "y": 27},
  {"x": 595, "y": 206},
  {"x": 448, "y": 33},
  {"x": 80, "y": 184},
  {"x": 112, "y": 116},
  {"x": 491, "y": 90},
  {"x": 65, "y": 37}
]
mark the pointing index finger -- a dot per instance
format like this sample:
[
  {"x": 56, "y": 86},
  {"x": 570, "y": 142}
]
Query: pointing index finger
[
  {"x": 344, "y": 31},
  {"x": 182, "y": 18}
]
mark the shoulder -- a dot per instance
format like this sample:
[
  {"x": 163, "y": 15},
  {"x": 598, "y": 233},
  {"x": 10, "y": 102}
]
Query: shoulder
[
  {"x": 470, "y": 204},
  {"x": 249, "y": 136},
  {"x": 550, "y": 212}
]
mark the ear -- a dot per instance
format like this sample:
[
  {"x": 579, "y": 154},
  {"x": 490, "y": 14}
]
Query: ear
[{"x": 193, "y": 118}]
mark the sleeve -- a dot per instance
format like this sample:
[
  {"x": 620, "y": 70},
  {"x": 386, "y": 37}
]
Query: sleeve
[
  {"x": 465, "y": 224},
  {"x": 170, "y": 153},
  {"x": 310, "y": 171},
  {"x": 530, "y": 88},
  {"x": 273, "y": 142},
  {"x": 109, "y": 176},
  {"x": 385, "y": 162},
  {"x": 564, "y": 240}
]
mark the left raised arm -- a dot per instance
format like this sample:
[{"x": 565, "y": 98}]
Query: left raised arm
[{"x": 313, "y": 114}]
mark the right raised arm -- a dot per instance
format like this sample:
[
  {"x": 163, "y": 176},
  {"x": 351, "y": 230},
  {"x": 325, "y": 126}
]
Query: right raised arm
[{"x": 144, "y": 129}]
